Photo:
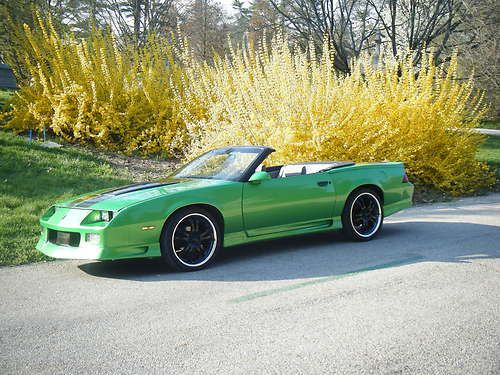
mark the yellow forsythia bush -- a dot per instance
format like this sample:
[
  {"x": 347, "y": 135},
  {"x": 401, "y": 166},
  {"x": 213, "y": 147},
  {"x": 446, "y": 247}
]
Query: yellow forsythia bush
[
  {"x": 296, "y": 103},
  {"x": 145, "y": 101},
  {"x": 92, "y": 91}
]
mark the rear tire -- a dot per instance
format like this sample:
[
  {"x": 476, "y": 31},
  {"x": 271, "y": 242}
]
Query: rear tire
[
  {"x": 363, "y": 215},
  {"x": 190, "y": 239}
]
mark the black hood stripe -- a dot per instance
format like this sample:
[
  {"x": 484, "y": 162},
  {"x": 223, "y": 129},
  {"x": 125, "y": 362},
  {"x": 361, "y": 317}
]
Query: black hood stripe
[
  {"x": 137, "y": 187},
  {"x": 89, "y": 200}
]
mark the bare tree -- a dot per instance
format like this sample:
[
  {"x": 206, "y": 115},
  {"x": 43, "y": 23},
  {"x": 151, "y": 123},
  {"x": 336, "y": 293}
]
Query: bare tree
[
  {"x": 137, "y": 19},
  {"x": 205, "y": 27},
  {"x": 351, "y": 26},
  {"x": 348, "y": 25},
  {"x": 417, "y": 25},
  {"x": 476, "y": 40}
]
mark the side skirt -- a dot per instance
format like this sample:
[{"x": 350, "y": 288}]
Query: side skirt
[{"x": 241, "y": 238}]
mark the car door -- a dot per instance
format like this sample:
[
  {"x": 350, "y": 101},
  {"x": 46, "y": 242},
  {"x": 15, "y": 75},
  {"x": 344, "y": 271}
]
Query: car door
[{"x": 288, "y": 203}]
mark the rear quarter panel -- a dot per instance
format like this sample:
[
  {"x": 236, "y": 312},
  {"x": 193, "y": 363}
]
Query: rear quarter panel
[{"x": 386, "y": 176}]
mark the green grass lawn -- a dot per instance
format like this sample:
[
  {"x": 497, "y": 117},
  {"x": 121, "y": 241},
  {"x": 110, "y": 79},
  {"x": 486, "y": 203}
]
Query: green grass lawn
[
  {"x": 4, "y": 96},
  {"x": 31, "y": 179},
  {"x": 490, "y": 152}
]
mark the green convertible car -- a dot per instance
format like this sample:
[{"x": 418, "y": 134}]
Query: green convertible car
[{"x": 224, "y": 198}]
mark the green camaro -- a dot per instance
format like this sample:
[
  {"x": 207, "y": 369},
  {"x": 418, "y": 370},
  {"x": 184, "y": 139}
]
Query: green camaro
[{"x": 225, "y": 197}]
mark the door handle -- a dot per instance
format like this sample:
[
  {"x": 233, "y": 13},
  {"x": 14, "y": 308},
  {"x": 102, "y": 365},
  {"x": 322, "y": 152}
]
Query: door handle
[{"x": 324, "y": 183}]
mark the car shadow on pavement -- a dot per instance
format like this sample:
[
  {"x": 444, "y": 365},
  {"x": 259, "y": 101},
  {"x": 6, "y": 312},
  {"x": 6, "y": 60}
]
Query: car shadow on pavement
[{"x": 325, "y": 254}]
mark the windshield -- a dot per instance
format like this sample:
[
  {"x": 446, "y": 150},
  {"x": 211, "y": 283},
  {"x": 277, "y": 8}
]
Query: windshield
[{"x": 222, "y": 164}]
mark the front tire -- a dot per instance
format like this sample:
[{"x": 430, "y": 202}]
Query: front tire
[
  {"x": 190, "y": 239},
  {"x": 363, "y": 215}
]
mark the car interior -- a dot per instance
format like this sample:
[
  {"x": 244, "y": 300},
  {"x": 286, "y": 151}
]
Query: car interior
[{"x": 289, "y": 170}]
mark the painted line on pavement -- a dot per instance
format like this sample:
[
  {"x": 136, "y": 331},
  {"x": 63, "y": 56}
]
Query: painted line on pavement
[{"x": 268, "y": 292}]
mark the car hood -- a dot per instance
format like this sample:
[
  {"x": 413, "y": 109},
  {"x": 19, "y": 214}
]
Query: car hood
[{"x": 118, "y": 198}]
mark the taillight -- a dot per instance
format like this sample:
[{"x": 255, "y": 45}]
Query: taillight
[{"x": 405, "y": 177}]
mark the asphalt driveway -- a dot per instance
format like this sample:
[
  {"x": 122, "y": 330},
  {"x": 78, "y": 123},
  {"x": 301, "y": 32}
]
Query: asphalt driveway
[{"x": 423, "y": 298}]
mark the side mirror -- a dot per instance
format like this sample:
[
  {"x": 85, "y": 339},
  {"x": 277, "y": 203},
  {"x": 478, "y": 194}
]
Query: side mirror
[{"x": 258, "y": 177}]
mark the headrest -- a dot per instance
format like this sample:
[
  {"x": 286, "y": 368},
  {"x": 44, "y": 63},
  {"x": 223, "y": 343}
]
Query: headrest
[
  {"x": 292, "y": 170},
  {"x": 315, "y": 168}
]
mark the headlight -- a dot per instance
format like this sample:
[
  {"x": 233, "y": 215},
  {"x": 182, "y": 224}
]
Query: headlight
[
  {"x": 105, "y": 215},
  {"x": 98, "y": 217}
]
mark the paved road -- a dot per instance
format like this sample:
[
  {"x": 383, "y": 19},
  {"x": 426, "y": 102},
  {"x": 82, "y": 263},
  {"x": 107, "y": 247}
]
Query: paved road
[
  {"x": 488, "y": 131},
  {"x": 424, "y": 298}
]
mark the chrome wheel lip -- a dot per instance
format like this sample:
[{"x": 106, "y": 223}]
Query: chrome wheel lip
[
  {"x": 212, "y": 250},
  {"x": 379, "y": 219}
]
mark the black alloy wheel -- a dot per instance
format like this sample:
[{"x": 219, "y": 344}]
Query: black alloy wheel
[
  {"x": 190, "y": 239},
  {"x": 363, "y": 216}
]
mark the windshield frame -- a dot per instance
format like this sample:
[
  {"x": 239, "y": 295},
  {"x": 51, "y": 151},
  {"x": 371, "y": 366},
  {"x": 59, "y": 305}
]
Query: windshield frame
[{"x": 262, "y": 153}]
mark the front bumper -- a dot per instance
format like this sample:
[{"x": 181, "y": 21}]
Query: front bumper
[
  {"x": 80, "y": 249},
  {"x": 70, "y": 252},
  {"x": 94, "y": 251},
  {"x": 82, "y": 241}
]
